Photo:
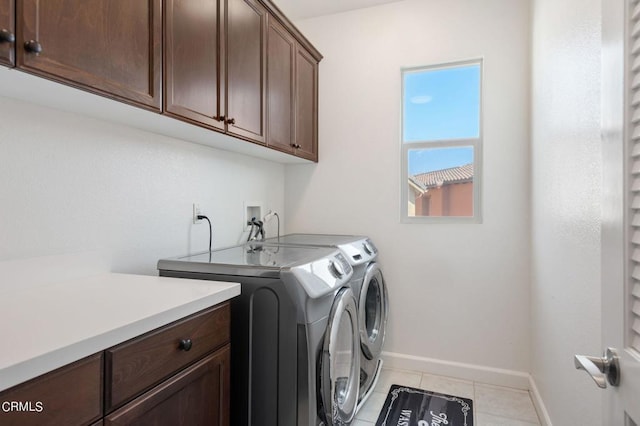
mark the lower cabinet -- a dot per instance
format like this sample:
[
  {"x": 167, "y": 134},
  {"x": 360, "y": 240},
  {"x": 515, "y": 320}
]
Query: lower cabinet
[
  {"x": 177, "y": 375},
  {"x": 70, "y": 395},
  {"x": 197, "y": 396}
]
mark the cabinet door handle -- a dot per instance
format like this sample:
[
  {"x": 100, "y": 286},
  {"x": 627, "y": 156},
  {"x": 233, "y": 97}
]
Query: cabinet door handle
[
  {"x": 32, "y": 46},
  {"x": 219, "y": 118},
  {"x": 231, "y": 121},
  {"x": 296, "y": 146},
  {"x": 7, "y": 36},
  {"x": 185, "y": 345}
]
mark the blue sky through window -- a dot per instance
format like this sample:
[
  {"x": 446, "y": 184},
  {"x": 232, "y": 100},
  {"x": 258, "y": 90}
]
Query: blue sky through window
[
  {"x": 441, "y": 104},
  {"x": 427, "y": 160}
]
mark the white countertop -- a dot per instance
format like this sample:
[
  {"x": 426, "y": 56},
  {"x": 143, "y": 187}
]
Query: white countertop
[{"x": 45, "y": 327}]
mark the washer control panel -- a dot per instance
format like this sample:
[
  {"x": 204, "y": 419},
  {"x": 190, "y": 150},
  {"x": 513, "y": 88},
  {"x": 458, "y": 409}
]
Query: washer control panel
[
  {"x": 322, "y": 276},
  {"x": 368, "y": 247},
  {"x": 339, "y": 266},
  {"x": 360, "y": 251}
]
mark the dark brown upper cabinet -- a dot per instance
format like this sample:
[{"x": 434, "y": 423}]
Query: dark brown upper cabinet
[
  {"x": 234, "y": 66},
  {"x": 292, "y": 94},
  {"x": 246, "y": 74},
  {"x": 281, "y": 55},
  {"x": 306, "y": 101},
  {"x": 194, "y": 69},
  {"x": 112, "y": 47},
  {"x": 7, "y": 32},
  {"x": 215, "y": 65}
]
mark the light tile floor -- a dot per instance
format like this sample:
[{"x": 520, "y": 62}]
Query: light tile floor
[{"x": 492, "y": 405}]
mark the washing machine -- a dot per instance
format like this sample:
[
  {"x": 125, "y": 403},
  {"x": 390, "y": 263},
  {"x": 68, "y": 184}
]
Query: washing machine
[
  {"x": 370, "y": 290},
  {"x": 294, "y": 332}
]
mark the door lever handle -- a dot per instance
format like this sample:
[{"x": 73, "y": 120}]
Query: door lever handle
[
  {"x": 602, "y": 369},
  {"x": 593, "y": 366}
]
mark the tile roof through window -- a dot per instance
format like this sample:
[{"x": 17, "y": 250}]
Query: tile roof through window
[{"x": 451, "y": 175}]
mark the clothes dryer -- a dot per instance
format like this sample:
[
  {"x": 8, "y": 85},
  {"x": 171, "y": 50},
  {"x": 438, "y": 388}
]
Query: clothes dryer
[
  {"x": 294, "y": 332},
  {"x": 369, "y": 287}
]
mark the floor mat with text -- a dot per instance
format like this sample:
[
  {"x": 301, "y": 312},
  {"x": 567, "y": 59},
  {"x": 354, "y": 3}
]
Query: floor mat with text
[{"x": 407, "y": 406}]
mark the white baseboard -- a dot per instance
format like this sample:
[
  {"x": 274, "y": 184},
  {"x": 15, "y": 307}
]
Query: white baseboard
[
  {"x": 538, "y": 403},
  {"x": 459, "y": 370},
  {"x": 472, "y": 372}
]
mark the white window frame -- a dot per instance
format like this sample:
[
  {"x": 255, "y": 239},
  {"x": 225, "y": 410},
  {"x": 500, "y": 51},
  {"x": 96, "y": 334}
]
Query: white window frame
[{"x": 475, "y": 143}]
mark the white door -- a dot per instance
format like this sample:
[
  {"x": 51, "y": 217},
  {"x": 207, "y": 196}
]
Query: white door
[{"x": 621, "y": 205}]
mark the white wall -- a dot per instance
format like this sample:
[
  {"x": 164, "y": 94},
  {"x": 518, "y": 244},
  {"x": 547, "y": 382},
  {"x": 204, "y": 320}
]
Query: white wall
[
  {"x": 459, "y": 292},
  {"x": 71, "y": 184},
  {"x": 566, "y": 201}
]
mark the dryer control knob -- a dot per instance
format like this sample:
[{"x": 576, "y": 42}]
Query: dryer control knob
[{"x": 337, "y": 269}]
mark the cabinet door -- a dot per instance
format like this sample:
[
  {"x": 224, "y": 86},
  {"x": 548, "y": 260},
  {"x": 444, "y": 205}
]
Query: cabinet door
[
  {"x": 112, "y": 47},
  {"x": 281, "y": 54},
  {"x": 160, "y": 353},
  {"x": 198, "y": 396},
  {"x": 70, "y": 395},
  {"x": 7, "y": 32},
  {"x": 192, "y": 61},
  {"x": 306, "y": 105},
  {"x": 246, "y": 92}
]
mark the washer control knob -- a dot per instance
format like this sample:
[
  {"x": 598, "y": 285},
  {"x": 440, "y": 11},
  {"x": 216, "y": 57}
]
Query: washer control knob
[
  {"x": 368, "y": 248},
  {"x": 337, "y": 269}
]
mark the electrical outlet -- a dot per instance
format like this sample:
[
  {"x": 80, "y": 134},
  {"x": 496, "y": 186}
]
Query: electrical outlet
[{"x": 196, "y": 213}]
